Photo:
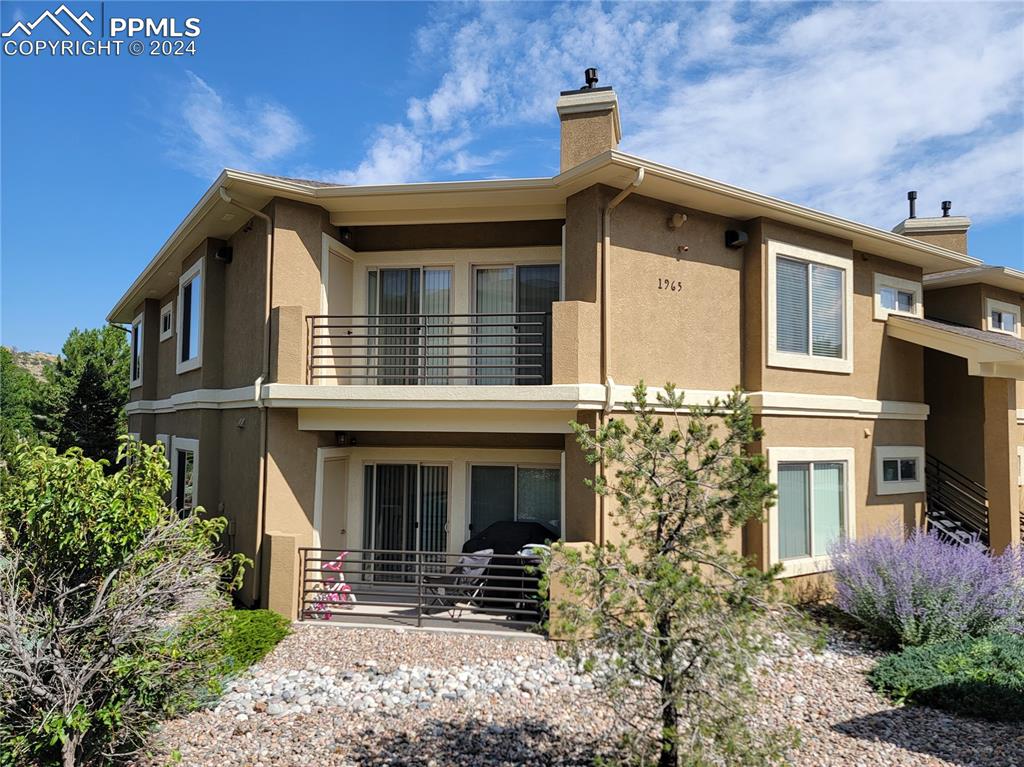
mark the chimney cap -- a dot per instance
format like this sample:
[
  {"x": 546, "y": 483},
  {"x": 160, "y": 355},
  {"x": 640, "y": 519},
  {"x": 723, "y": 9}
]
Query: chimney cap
[{"x": 590, "y": 86}]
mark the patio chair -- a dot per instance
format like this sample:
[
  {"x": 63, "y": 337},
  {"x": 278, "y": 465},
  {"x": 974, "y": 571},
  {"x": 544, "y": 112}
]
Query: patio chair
[{"x": 462, "y": 586}]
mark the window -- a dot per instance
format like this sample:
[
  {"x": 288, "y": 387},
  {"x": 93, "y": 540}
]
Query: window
[
  {"x": 136, "y": 359},
  {"x": 899, "y": 469},
  {"x": 184, "y": 472},
  {"x": 507, "y": 493},
  {"x": 897, "y": 296},
  {"x": 1002, "y": 317},
  {"x": 810, "y": 299},
  {"x": 814, "y": 507},
  {"x": 190, "y": 319},
  {"x": 1020, "y": 465},
  {"x": 167, "y": 322}
]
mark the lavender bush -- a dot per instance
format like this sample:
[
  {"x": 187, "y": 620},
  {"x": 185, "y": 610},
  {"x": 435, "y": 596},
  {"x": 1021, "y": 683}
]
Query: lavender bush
[{"x": 922, "y": 589}]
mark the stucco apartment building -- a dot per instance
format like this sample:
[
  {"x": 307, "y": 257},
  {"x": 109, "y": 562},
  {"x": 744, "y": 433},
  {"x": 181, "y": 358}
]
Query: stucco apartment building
[{"x": 396, "y": 366}]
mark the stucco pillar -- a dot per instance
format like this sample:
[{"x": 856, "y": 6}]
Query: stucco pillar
[
  {"x": 576, "y": 350},
  {"x": 287, "y": 345},
  {"x": 1000, "y": 402},
  {"x": 281, "y": 573}
]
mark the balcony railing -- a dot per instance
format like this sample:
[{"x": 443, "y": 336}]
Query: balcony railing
[{"x": 430, "y": 349}]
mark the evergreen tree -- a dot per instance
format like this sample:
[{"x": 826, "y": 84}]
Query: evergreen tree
[
  {"x": 84, "y": 393},
  {"x": 19, "y": 393},
  {"x": 669, "y": 617}
]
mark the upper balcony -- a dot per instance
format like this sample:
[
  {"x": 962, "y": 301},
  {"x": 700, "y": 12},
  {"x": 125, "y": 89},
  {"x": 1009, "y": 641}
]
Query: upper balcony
[{"x": 478, "y": 349}]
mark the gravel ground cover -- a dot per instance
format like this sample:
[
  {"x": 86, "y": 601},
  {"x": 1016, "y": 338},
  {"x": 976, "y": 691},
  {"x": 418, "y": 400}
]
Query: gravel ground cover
[{"x": 337, "y": 697}]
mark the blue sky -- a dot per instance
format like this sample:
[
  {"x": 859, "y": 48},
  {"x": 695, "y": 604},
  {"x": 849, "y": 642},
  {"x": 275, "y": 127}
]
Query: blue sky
[{"x": 841, "y": 107}]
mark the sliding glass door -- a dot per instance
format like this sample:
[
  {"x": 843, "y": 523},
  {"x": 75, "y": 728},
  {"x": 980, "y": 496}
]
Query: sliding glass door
[
  {"x": 405, "y": 509},
  {"x": 513, "y": 333},
  {"x": 409, "y": 308}
]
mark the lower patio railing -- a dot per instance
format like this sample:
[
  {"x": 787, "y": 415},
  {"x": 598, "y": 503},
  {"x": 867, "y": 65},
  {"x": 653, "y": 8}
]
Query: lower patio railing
[{"x": 420, "y": 587}]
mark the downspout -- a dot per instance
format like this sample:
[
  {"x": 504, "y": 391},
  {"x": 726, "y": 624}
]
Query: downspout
[
  {"x": 261, "y": 508},
  {"x": 606, "y": 340}
]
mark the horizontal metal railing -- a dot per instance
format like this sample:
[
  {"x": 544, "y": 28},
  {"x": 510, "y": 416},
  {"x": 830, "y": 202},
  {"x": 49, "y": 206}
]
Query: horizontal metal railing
[
  {"x": 953, "y": 496},
  {"x": 470, "y": 349},
  {"x": 417, "y": 586}
]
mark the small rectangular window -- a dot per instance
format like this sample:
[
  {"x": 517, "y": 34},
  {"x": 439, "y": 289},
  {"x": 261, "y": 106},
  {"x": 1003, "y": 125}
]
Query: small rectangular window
[
  {"x": 166, "y": 322},
  {"x": 1004, "y": 321},
  {"x": 136, "y": 352},
  {"x": 1002, "y": 317},
  {"x": 899, "y": 469},
  {"x": 895, "y": 295}
]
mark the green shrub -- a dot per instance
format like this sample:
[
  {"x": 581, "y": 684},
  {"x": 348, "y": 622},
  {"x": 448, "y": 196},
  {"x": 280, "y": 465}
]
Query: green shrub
[
  {"x": 982, "y": 677},
  {"x": 248, "y": 636},
  {"x": 111, "y": 605}
]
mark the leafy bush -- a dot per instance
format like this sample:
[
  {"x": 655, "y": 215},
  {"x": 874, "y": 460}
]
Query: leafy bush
[
  {"x": 111, "y": 604},
  {"x": 971, "y": 676},
  {"x": 923, "y": 589},
  {"x": 248, "y": 636}
]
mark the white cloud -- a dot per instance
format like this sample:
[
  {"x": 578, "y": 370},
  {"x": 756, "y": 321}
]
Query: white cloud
[
  {"x": 841, "y": 107},
  {"x": 208, "y": 134}
]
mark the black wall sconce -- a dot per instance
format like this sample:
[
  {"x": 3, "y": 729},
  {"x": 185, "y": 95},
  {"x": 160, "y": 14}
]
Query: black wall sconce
[{"x": 224, "y": 254}]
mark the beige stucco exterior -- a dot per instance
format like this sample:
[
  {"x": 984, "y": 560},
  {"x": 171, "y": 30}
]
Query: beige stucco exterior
[{"x": 281, "y": 457}]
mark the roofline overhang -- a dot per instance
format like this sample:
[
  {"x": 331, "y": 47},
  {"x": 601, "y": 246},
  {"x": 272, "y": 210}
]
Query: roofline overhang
[
  {"x": 997, "y": 276},
  {"x": 984, "y": 358},
  {"x": 520, "y": 199}
]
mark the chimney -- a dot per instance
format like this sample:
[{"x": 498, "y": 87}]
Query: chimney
[
  {"x": 946, "y": 231},
  {"x": 590, "y": 121}
]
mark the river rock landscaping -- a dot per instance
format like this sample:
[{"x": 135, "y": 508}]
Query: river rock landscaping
[{"x": 338, "y": 696}]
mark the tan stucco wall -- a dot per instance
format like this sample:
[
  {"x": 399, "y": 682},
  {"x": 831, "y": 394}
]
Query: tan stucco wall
[
  {"x": 291, "y": 474},
  {"x": 873, "y": 512},
  {"x": 1000, "y": 446},
  {"x": 883, "y": 368},
  {"x": 582, "y": 516},
  {"x": 675, "y": 314},
  {"x": 956, "y": 417},
  {"x": 962, "y": 305}
]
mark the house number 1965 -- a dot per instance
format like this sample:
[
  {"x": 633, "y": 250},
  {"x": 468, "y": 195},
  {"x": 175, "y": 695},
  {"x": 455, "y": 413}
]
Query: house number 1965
[{"x": 673, "y": 285}]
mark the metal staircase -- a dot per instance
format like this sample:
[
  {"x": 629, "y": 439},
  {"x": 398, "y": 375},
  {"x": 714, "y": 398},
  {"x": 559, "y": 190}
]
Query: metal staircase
[{"x": 956, "y": 505}]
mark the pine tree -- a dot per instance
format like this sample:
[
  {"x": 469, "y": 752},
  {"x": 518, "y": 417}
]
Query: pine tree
[
  {"x": 84, "y": 393},
  {"x": 669, "y": 617}
]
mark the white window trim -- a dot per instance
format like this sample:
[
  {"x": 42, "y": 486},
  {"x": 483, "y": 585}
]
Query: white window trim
[
  {"x": 809, "y": 361},
  {"x": 897, "y": 283},
  {"x": 136, "y": 380},
  {"x": 167, "y": 310},
  {"x": 777, "y": 455},
  {"x": 184, "y": 443},
  {"x": 197, "y": 361},
  {"x": 899, "y": 452},
  {"x": 1020, "y": 466},
  {"x": 992, "y": 304}
]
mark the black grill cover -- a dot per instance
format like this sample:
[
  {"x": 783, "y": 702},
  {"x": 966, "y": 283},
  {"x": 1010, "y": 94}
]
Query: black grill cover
[{"x": 509, "y": 537}]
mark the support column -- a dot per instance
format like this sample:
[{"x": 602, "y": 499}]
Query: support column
[{"x": 1000, "y": 404}]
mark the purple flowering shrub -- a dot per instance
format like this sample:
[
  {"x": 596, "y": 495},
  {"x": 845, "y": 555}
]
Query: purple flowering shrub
[{"x": 922, "y": 589}]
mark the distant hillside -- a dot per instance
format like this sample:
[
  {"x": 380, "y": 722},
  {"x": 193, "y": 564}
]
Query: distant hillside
[{"x": 33, "y": 362}]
